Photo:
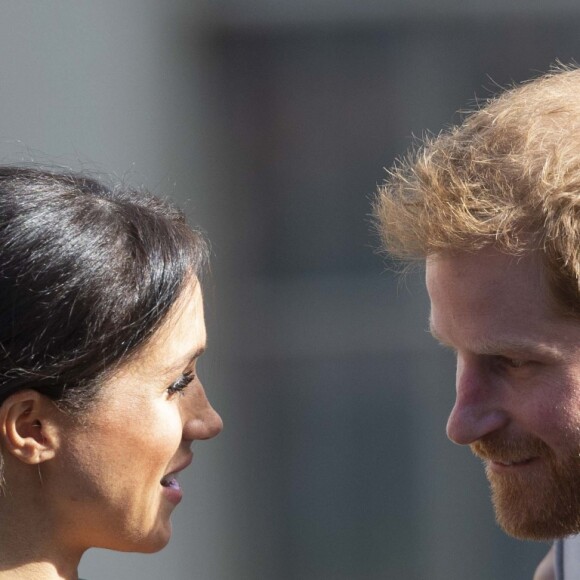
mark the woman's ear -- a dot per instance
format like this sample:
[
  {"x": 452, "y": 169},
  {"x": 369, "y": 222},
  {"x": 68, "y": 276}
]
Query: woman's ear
[{"x": 29, "y": 426}]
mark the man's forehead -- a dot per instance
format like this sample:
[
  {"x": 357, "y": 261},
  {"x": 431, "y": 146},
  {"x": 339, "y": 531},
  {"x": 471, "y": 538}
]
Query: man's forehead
[
  {"x": 481, "y": 284},
  {"x": 488, "y": 266},
  {"x": 489, "y": 298}
]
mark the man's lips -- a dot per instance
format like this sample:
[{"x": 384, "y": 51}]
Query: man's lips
[
  {"x": 503, "y": 459},
  {"x": 511, "y": 463},
  {"x": 506, "y": 466}
]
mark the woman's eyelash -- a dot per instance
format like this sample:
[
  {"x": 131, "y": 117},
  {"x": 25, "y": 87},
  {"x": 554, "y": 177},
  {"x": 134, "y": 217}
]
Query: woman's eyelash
[{"x": 181, "y": 383}]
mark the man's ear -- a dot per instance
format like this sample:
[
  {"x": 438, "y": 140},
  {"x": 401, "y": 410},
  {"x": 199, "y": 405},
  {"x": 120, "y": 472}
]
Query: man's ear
[{"x": 29, "y": 426}]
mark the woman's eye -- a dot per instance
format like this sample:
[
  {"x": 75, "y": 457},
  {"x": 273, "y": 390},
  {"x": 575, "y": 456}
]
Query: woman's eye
[{"x": 179, "y": 385}]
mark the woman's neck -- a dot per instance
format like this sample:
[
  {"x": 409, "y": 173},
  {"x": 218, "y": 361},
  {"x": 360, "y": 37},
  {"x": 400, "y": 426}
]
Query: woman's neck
[
  {"x": 31, "y": 547},
  {"x": 36, "y": 571}
]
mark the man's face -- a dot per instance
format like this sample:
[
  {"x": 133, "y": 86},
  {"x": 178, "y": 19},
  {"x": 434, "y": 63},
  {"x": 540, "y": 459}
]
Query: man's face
[{"x": 518, "y": 385}]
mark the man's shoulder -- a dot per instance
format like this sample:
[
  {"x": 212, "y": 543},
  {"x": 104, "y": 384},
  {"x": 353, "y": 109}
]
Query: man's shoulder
[
  {"x": 546, "y": 569},
  {"x": 568, "y": 558}
]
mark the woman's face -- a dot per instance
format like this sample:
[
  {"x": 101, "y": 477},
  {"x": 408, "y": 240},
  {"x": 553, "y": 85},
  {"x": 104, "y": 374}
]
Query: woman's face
[{"x": 114, "y": 480}]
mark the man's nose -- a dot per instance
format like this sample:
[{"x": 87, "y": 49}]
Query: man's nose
[
  {"x": 201, "y": 420},
  {"x": 478, "y": 409}
]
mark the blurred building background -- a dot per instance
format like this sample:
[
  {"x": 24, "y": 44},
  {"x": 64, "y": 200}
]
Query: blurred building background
[{"x": 271, "y": 122}]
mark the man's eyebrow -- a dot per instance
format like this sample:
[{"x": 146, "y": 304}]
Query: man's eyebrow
[
  {"x": 517, "y": 346},
  {"x": 503, "y": 345},
  {"x": 433, "y": 332}
]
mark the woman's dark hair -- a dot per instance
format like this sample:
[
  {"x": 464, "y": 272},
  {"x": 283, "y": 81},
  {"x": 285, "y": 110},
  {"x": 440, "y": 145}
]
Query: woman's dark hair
[{"x": 87, "y": 274}]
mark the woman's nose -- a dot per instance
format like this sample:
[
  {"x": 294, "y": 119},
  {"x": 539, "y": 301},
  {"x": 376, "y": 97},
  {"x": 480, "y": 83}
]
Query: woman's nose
[
  {"x": 478, "y": 410},
  {"x": 201, "y": 420}
]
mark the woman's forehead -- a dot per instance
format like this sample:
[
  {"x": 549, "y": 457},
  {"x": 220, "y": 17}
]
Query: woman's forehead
[{"x": 180, "y": 337}]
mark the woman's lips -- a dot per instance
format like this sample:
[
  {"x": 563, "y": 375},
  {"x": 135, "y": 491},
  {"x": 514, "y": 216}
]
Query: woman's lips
[
  {"x": 171, "y": 487},
  {"x": 170, "y": 482}
]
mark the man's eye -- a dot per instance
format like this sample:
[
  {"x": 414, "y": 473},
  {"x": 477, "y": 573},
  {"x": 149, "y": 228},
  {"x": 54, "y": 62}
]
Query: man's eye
[
  {"x": 513, "y": 363},
  {"x": 179, "y": 385}
]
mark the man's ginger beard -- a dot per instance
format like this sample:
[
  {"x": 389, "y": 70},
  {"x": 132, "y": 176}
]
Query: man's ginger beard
[{"x": 537, "y": 502}]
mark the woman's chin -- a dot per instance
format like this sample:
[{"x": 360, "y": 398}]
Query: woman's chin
[
  {"x": 156, "y": 541},
  {"x": 148, "y": 543}
]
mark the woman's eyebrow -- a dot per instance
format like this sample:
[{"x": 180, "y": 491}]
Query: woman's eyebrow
[
  {"x": 186, "y": 360},
  {"x": 196, "y": 354}
]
